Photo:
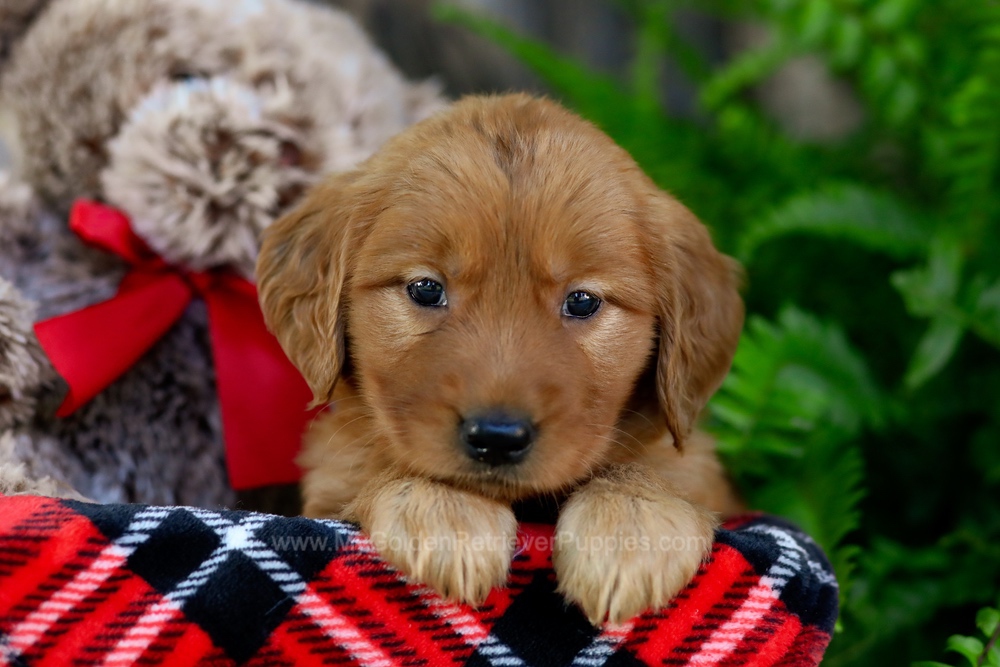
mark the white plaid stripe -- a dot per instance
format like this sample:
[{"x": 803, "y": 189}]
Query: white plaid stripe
[
  {"x": 603, "y": 645},
  {"x": 760, "y": 599},
  {"x": 793, "y": 540},
  {"x": 24, "y": 635},
  {"x": 6, "y": 652},
  {"x": 473, "y": 633},
  {"x": 152, "y": 623},
  {"x": 334, "y": 625},
  {"x": 239, "y": 537}
]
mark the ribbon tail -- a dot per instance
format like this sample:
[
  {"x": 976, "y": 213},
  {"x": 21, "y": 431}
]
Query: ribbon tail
[
  {"x": 110, "y": 230},
  {"x": 92, "y": 347},
  {"x": 262, "y": 397}
]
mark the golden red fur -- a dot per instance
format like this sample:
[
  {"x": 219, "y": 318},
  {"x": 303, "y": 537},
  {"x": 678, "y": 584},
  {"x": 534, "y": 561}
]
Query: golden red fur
[{"x": 510, "y": 204}]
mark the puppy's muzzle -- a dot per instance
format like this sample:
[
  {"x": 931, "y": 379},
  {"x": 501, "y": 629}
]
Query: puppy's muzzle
[{"x": 497, "y": 438}]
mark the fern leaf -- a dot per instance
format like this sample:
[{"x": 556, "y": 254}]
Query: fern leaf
[
  {"x": 904, "y": 587},
  {"x": 984, "y": 318},
  {"x": 971, "y": 145},
  {"x": 663, "y": 147},
  {"x": 935, "y": 291},
  {"x": 821, "y": 493},
  {"x": 593, "y": 95},
  {"x": 932, "y": 290},
  {"x": 875, "y": 43},
  {"x": 656, "y": 24},
  {"x": 651, "y": 17},
  {"x": 791, "y": 410},
  {"x": 874, "y": 220},
  {"x": 934, "y": 351},
  {"x": 747, "y": 69},
  {"x": 779, "y": 369}
]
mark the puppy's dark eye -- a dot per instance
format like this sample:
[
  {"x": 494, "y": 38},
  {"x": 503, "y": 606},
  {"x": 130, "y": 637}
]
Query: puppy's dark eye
[
  {"x": 427, "y": 292},
  {"x": 581, "y": 305}
]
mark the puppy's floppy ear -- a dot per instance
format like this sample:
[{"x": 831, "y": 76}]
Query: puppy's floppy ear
[
  {"x": 301, "y": 274},
  {"x": 700, "y": 313}
]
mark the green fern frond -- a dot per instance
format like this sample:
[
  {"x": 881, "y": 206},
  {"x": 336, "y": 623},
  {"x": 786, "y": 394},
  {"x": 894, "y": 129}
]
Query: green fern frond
[
  {"x": 664, "y": 147},
  {"x": 984, "y": 308},
  {"x": 800, "y": 419},
  {"x": 934, "y": 351},
  {"x": 877, "y": 44},
  {"x": 874, "y": 220},
  {"x": 791, "y": 378},
  {"x": 592, "y": 94},
  {"x": 791, "y": 411},
  {"x": 903, "y": 587},
  {"x": 746, "y": 70},
  {"x": 647, "y": 62},
  {"x": 976, "y": 308},
  {"x": 936, "y": 291},
  {"x": 658, "y": 31},
  {"x": 821, "y": 493},
  {"x": 968, "y": 150}
]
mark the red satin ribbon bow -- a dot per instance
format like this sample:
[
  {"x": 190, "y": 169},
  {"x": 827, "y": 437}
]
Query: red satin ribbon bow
[{"x": 262, "y": 397}]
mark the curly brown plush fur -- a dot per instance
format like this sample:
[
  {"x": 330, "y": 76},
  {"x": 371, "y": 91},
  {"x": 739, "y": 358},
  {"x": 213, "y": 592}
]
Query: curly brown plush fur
[
  {"x": 15, "y": 17},
  {"x": 18, "y": 478},
  {"x": 21, "y": 360},
  {"x": 203, "y": 120},
  {"x": 210, "y": 150},
  {"x": 109, "y": 55}
]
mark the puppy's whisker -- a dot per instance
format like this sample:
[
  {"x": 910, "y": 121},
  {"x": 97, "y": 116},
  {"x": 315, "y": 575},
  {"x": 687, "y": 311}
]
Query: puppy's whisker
[
  {"x": 370, "y": 437},
  {"x": 357, "y": 458},
  {"x": 409, "y": 468},
  {"x": 621, "y": 444},
  {"x": 343, "y": 426},
  {"x": 343, "y": 406},
  {"x": 626, "y": 433},
  {"x": 609, "y": 438},
  {"x": 340, "y": 404},
  {"x": 639, "y": 414}
]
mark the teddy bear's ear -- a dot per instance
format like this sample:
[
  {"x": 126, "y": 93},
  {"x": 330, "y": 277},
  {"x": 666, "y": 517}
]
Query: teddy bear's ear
[{"x": 16, "y": 16}]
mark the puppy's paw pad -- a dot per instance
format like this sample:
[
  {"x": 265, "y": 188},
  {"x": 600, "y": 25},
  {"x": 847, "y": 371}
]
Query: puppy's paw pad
[
  {"x": 457, "y": 543},
  {"x": 618, "y": 558}
]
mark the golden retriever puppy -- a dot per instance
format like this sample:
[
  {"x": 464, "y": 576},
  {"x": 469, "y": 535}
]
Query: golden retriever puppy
[{"x": 498, "y": 305}]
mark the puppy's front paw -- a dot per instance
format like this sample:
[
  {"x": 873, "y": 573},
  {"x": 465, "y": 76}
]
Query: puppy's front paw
[
  {"x": 458, "y": 543},
  {"x": 625, "y": 544}
]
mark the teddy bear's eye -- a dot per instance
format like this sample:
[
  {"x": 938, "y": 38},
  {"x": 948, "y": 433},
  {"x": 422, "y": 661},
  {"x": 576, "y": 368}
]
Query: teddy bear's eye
[
  {"x": 184, "y": 74},
  {"x": 427, "y": 292}
]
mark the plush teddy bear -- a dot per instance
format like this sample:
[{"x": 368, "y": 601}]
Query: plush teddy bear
[{"x": 201, "y": 121}]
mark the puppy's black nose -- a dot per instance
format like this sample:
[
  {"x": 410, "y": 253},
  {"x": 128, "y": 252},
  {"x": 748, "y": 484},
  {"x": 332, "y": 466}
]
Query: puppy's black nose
[{"x": 497, "y": 438}]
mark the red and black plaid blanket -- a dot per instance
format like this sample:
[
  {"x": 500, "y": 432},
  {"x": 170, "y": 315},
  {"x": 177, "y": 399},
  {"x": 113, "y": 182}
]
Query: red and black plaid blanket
[{"x": 121, "y": 584}]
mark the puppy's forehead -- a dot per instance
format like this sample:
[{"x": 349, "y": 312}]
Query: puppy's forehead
[{"x": 545, "y": 193}]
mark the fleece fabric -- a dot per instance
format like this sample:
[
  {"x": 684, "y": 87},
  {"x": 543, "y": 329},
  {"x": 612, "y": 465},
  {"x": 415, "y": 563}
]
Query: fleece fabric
[{"x": 121, "y": 584}]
